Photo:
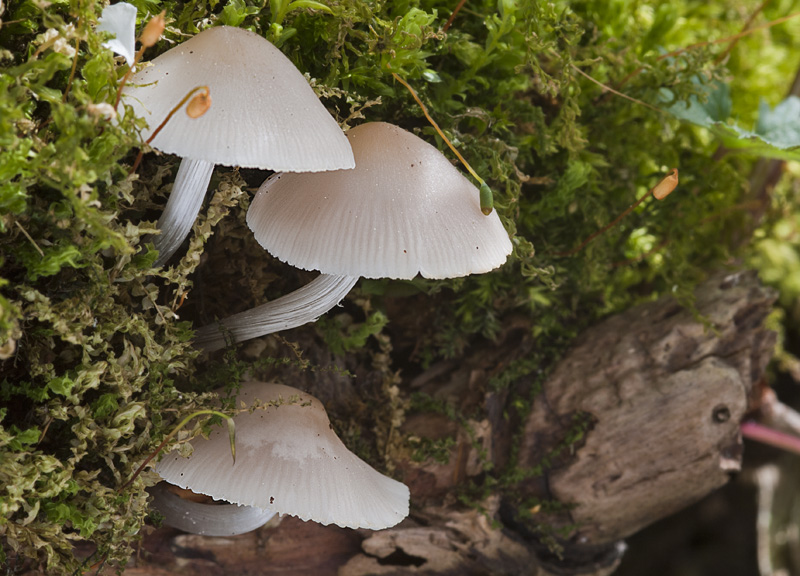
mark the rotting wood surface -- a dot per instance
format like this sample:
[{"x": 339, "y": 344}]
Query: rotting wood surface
[{"x": 663, "y": 395}]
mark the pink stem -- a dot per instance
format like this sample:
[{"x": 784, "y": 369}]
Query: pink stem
[{"x": 765, "y": 435}]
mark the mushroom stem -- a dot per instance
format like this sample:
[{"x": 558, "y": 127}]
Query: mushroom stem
[
  {"x": 206, "y": 519},
  {"x": 304, "y": 305},
  {"x": 182, "y": 207}
]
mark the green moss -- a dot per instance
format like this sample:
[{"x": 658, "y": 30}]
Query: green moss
[{"x": 97, "y": 364}]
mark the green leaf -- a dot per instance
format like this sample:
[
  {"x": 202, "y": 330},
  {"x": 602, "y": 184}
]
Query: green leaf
[
  {"x": 715, "y": 107},
  {"x": 23, "y": 438},
  {"x": 53, "y": 261},
  {"x": 61, "y": 385},
  {"x": 235, "y": 12},
  {"x": 105, "y": 405},
  {"x": 232, "y": 436},
  {"x": 780, "y": 127},
  {"x": 776, "y": 135},
  {"x": 309, "y": 4}
]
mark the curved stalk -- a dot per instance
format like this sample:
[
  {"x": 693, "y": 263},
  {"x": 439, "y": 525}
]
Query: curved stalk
[
  {"x": 206, "y": 519},
  {"x": 183, "y": 207},
  {"x": 300, "y": 307}
]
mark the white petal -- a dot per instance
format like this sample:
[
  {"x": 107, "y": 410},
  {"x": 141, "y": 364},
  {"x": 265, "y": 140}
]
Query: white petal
[{"x": 120, "y": 20}]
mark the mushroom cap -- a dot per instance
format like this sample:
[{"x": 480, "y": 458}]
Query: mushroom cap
[
  {"x": 263, "y": 114},
  {"x": 288, "y": 459},
  {"x": 403, "y": 210}
]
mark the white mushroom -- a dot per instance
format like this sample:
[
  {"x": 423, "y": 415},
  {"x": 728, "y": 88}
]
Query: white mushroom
[
  {"x": 120, "y": 20},
  {"x": 264, "y": 115},
  {"x": 289, "y": 460},
  {"x": 206, "y": 519},
  {"x": 404, "y": 210}
]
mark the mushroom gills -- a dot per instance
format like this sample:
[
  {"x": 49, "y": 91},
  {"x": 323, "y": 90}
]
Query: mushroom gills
[
  {"x": 300, "y": 307},
  {"x": 182, "y": 208},
  {"x": 206, "y": 519},
  {"x": 290, "y": 460}
]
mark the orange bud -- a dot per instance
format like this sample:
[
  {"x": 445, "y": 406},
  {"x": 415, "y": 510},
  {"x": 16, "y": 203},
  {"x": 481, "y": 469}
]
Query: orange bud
[
  {"x": 199, "y": 104},
  {"x": 666, "y": 186},
  {"x": 153, "y": 30}
]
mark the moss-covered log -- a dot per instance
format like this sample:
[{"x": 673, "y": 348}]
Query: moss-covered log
[
  {"x": 658, "y": 394},
  {"x": 429, "y": 380}
]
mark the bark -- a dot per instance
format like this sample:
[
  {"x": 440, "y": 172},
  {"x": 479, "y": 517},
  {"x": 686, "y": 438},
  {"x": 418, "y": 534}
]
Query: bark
[{"x": 638, "y": 420}]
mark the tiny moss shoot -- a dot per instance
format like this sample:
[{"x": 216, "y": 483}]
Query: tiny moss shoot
[
  {"x": 231, "y": 437},
  {"x": 486, "y": 199}
]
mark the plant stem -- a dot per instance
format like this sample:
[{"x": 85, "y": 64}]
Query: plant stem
[
  {"x": 164, "y": 123},
  {"x": 181, "y": 424},
  {"x": 761, "y": 433},
  {"x": 487, "y": 201},
  {"x": 631, "y": 208}
]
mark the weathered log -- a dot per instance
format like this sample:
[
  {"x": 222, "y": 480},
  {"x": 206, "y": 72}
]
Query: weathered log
[
  {"x": 666, "y": 393},
  {"x": 659, "y": 392}
]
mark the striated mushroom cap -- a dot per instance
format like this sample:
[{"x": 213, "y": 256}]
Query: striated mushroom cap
[
  {"x": 404, "y": 210},
  {"x": 288, "y": 459},
  {"x": 264, "y": 114}
]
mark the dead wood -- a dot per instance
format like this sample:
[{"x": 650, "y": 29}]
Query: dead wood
[{"x": 659, "y": 392}]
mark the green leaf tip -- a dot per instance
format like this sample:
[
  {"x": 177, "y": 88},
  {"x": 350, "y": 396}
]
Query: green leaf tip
[
  {"x": 232, "y": 436},
  {"x": 487, "y": 199}
]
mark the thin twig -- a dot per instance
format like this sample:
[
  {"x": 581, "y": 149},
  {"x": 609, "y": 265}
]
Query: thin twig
[
  {"x": 616, "y": 220},
  {"x": 734, "y": 38},
  {"x": 610, "y": 89},
  {"x": 177, "y": 429},
  {"x": 128, "y": 72},
  {"x": 164, "y": 123},
  {"x": 486, "y": 198},
  {"x": 74, "y": 68},
  {"x": 436, "y": 127},
  {"x": 28, "y": 236},
  {"x": 750, "y": 20},
  {"x": 453, "y": 15}
]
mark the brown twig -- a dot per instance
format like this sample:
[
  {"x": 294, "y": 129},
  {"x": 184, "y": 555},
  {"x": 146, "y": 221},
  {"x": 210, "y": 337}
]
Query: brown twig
[
  {"x": 150, "y": 35},
  {"x": 734, "y": 38},
  {"x": 164, "y": 123},
  {"x": 610, "y": 89},
  {"x": 28, "y": 236},
  {"x": 453, "y": 15},
  {"x": 750, "y": 20},
  {"x": 127, "y": 76},
  {"x": 486, "y": 198},
  {"x": 631, "y": 208}
]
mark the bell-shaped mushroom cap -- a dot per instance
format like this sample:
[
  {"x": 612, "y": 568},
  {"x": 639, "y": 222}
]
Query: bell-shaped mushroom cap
[
  {"x": 264, "y": 114},
  {"x": 288, "y": 459},
  {"x": 403, "y": 210}
]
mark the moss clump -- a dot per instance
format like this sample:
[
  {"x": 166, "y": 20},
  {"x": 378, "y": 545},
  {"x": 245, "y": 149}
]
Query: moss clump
[{"x": 97, "y": 365}]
